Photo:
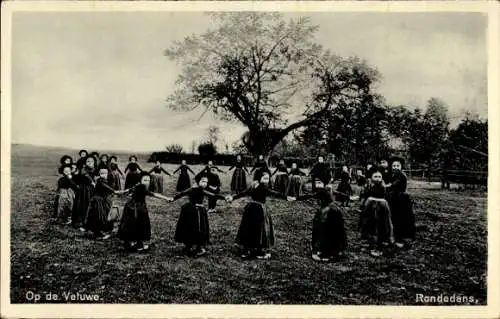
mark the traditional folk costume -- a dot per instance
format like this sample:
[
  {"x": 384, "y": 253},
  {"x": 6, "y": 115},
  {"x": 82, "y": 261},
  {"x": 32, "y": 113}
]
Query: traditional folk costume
[
  {"x": 375, "y": 219},
  {"x": 134, "y": 175},
  {"x": 344, "y": 189},
  {"x": 239, "y": 179},
  {"x": 85, "y": 193},
  {"x": 256, "y": 233},
  {"x": 281, "y": 180},
  {"x": 329, "y": 238},
  {"x": 184, "y": 181},
  {"x": 403, "y": 218},
  {"x": 322, "y": 172},
  {"x": 295, "y": 185},
  {"x": 135, "y": 225},
  {"x": 66, "y": 189},
  {"x": 64, "y": 161},
  {"x": 213, "y": 186},
  {"x": 100, "y": 205},
  {"x": 193, "y": 227},
  {"x": 156, "y": 185},
  {"x": 114, "y": 179}
]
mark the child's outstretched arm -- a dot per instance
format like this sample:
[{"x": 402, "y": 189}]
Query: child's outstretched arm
[
  {"x": 178, "y": 168},
  {"x": 219, "y": 170},
  {"x": 182, "y": 194},
  {"x": 244, "y": 193},
  {"x": 218, "y": 196},
  {"x": 160, "y": 196},
  {"x": 165, "y": 171},
  {"x": 127, "y": 191}
]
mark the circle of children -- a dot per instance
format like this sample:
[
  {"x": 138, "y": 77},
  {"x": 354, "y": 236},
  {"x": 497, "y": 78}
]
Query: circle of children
[{"x": 88, "y": 188}]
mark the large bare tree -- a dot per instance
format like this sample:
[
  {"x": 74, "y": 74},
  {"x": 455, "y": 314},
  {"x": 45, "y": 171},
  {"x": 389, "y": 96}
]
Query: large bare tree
[{"x": 266, "y": 73}]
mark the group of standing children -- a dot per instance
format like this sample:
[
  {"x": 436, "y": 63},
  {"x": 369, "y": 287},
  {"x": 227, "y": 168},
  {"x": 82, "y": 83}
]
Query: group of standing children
[{"x": 87, "y": 189}]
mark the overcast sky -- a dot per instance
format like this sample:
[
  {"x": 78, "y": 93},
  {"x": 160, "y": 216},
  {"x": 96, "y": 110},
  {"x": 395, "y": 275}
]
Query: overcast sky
[{"x": 99, "y": 80}]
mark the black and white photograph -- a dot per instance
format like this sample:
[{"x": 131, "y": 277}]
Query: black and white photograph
[{"x": 248, "y": 157}]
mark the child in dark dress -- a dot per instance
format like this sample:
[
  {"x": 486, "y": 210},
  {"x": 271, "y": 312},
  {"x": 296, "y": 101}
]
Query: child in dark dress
[
  {"x": 295, "y": 185},
  {"x": 320, "y": 170},
  {"x": 66, "y": 189},
  {"x": 184, "y": 181},
  {"x": 207, "y": 169},
  {"x": 115, "y": 174},
  {"x": 135, "y": 225},
  {"x": 134, "y": 173},
  {"x": 239, "y": 179},
  {"x": 192, "y": 227},
  {"x": 65, "y": 160},
  {"x": 100, "y": 205},
  {"x": 403, "y": 218},
  {"x": 156, "y": 185},
  {"x": 344, "y": 188},
  {"x": 85, "y": 193},
  {"x": 329, "y": 239},
  {"x": 281, "y": 180},
  {"x": 256, "y": 233},
  {"x": 375, "y": 220}
]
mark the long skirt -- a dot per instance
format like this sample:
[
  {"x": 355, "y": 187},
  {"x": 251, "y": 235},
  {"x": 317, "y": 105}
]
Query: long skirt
[
  {"x": 328, "y": 235},
  {"x": 192, "y": 226},
  {"x": 97, "y": 219},
  {"x": 135, "y": 224},
  {"x": 156, "y": 185},
  {"x": 65, "y": 203},
  {"x": 295, "y": 186},
  {"x": 281, "y": 182},
  {"x": 82, "y": 204},
  {"x": 346, "y": 189},
  {"x": 184, "y": 182},
  {"x": 132, "y": 179},
  {"x": 115, "y": 180},
  {"x": 239, "y": 180},
  {"x": 256, "y": 227},
  {"x": 375, "y": 222},
  {"x": 403, "y": 218}
]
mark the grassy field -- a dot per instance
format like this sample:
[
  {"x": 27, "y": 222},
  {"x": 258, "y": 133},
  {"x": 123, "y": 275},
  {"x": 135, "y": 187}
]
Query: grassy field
[{"x": 449, "y": 256}]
